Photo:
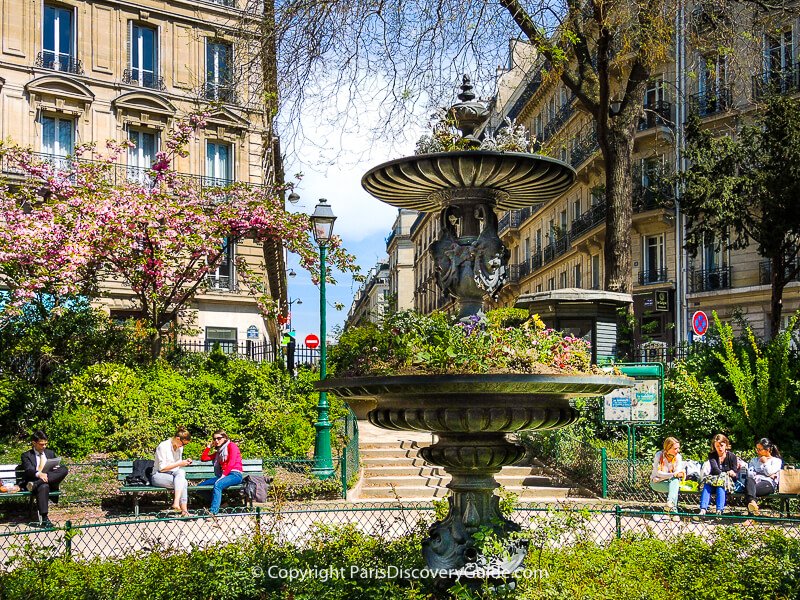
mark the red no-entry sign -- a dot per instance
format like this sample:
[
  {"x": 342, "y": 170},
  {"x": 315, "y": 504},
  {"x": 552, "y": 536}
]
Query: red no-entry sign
[
  {"x": 699, "y": 323},
  {"x": 311, "y": 341}
]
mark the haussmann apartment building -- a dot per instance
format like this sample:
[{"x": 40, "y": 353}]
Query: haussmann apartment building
[{"x": 75, "y": 71}]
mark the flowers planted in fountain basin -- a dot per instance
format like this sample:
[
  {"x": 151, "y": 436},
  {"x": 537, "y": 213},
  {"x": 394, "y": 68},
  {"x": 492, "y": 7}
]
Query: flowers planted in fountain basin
[{"x": 501, "y": 341}]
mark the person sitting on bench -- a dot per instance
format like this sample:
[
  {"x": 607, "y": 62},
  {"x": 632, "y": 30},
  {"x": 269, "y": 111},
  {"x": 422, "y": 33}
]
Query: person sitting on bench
[
  {"x": 762, "y": 473},
  {"x": 228, "y": 468},
  {"x": 37, "y": 478}
]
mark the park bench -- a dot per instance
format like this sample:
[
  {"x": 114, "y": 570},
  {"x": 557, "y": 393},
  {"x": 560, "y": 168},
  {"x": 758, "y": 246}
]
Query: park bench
[
  {"x": 783, "y": 499},
  {"x": 197, "y": 471},
  {"x": 14, "y": 473}
]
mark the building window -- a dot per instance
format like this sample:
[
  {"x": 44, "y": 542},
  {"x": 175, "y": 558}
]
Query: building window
[
  {"x": 653, "y": 259},
  {"x": 527, "y": 249},
  {"x": 654, "y": 94},
  {"x": 779, "y": 67},
  {"x": 538, "y": 240},
  {"x": 58, "y": 139},
  {"x": 562, "y": 280},
  {"x": 141, "y": 155},
  {"x": 58, "y": 136},
  {"x": 219, "y": 164},
  {"x": 538, "y": 287},
  {"x": 595, "y": 271},
  {"x": 598, "y": 195},
  {"x": 143, "y": 52},
  {"x": 58, "y": 39},
  {"x": 219, "y": 61},
  {"x": 578, "y": 276},
  {"x": 222, "y": 278},
  {"x": 576, "y": 209},
  {"x": 551, "y": 283},
  {"x": 224, "y": 336}
]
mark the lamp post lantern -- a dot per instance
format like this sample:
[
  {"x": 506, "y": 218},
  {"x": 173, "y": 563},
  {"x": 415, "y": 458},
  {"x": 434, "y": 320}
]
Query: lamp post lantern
[
  {"x": 297, "y": 301},
  {"x": 322, "y": 227}
]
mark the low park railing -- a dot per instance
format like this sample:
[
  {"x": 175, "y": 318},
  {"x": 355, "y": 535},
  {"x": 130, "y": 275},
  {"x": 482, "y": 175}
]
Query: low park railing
[{"x": 556, "y": 525}]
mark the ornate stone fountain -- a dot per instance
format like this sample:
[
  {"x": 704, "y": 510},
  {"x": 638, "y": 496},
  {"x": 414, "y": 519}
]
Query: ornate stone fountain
[{"x": 471, "y": 414}]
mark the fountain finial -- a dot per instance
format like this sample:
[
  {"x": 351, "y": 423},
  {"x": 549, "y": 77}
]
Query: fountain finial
[{"x": 469, "y": 114}]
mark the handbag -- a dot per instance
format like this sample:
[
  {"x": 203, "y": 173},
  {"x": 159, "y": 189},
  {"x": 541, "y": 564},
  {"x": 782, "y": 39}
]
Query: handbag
[{"x": 789, "y": 480}]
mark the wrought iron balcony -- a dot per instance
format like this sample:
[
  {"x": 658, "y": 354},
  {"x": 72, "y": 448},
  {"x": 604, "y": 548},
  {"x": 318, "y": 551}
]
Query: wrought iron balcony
[
  {"x": 230, "y": 3},
  {"x": 589, "y": 219},
  {"x": 143, "y": 79},
  {"x": 536, "y": 260},
  {"x": 710, "y": 102},
  {"x": 559, "y": 119},
  {"x": 584, "y": 149},
  {"x": 548, "y": 254},
  {"x": 706, "y": 280},
  {"x": 653, "y": 276},
  {"x": 58, "y": 61},
  {"x": 221, "y": 92},
  {"x": 765, "y": 272},
  {"x": 534, "y": 82},
  {"x": 658, "y": 114},
  {"x": 649, "y": 198},
  {"x": 785, "y": 81},
  {"x": 502, "y": 224},
  {"x": 119, "y": 174},
  {"x": 221, "y": 283}
]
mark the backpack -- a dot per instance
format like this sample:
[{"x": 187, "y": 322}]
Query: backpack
[
  {"x": 255, "y": 488},
  {"x": 141, "y": 472}
]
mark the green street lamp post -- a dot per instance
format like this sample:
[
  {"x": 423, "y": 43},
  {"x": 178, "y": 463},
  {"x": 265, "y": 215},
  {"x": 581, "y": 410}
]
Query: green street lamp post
[{"x": 322, "y": 227}]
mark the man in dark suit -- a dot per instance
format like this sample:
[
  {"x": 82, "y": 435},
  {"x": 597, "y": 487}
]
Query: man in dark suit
[{"x": 35, "y": 480}]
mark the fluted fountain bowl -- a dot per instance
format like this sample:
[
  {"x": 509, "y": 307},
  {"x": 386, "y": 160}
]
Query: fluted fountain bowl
[
  {"x": 518, "y": 179},
  {"x": 473, "y": 403}
]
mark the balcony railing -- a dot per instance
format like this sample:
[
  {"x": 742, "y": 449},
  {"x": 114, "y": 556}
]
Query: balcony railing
[
  {"x": 653, "y": 276},
  {"x": 592, "y": 217},
  {"x": 143, "y": 79},
  {"x": 707, "y": 280},
  {"x": 502, "y": 224},
  {"x": 221, "y": 283},
  {"x": 710, "y": 102},
  {"x": 649, "y": 198},
  {"x": 785, "y": 81},
  {"x": 231, "y": 3},
  {"x": 559, "y": 119},
  {"x": 536, "y": 260},
  {"x": 658, "y": 114},
  {"x": 584, "y": 149},
  {"x": 58, "y": 61},
  {"x": 119, "y": 174},
  {"x": 765, "y": 272},
  {"x": 532, "y": 86},
  {"x": 221, "y": 93}
]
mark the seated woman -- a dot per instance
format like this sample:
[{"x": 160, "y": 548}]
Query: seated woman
[
  {"x": 228, "y": 468},
  {"x": 168, "y": 472},
  {"x": 762, "y": 473},
  {"x": 668, "y": 472},
  {"x": 723, "y": 463}
]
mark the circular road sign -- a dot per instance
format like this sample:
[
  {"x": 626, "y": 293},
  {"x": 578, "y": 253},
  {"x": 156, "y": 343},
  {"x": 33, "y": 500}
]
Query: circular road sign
[
  {"x": 311, "y": 341},
  {"x": 699, "y": 323}
]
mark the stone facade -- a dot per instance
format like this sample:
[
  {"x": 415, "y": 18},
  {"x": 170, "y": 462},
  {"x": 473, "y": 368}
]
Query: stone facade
[{"x": 79, "y": 71}]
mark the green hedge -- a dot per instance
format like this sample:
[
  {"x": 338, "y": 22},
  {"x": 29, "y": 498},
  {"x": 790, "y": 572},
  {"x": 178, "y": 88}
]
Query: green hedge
[
  {"x": 126, "y": 411},
  {"x": 735, "y": 563}
]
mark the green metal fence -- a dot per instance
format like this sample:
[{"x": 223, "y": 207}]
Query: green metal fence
[{"x": 552, "y": 524}]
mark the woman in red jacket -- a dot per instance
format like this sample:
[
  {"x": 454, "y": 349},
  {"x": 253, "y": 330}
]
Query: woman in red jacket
[{"x": 228, "y": 469}]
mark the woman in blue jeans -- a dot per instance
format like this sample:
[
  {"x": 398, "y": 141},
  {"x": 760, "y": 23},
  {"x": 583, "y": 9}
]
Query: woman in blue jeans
[
  {"x": 228, "y": 470},
  {"x": 668, "y": 473},
  {"x": 723, "y": 463}
]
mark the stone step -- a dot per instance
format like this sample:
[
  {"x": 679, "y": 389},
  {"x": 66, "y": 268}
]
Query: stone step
[
  {"x": 417, "y": 492},
  {"x": 383, "y": 470},
  {"x": 389, "y": 452},
  {"x": 427, "y": 479},
  {"x": 406, "y": 445},
  {"x": 394, "y": 462}
]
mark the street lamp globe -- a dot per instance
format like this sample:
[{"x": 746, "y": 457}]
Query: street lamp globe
[{"x": 322, "y": 222}]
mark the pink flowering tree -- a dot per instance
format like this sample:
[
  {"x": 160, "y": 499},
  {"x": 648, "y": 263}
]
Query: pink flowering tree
[{"x": 66, "y": 227}]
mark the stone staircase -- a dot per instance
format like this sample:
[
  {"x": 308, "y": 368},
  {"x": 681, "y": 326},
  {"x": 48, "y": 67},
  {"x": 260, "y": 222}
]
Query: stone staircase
[{"x": 392, "y": 469}]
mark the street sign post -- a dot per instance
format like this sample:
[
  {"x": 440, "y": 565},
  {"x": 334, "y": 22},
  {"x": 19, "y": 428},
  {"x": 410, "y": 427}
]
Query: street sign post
[{"x": 311, "y": 341}]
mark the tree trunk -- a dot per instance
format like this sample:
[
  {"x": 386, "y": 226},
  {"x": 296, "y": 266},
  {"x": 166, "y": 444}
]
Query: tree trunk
[
  {"x": 777, "y": 281},
  {"x": 156, "y": 341},
  {"x": 618, "y": 151}
]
